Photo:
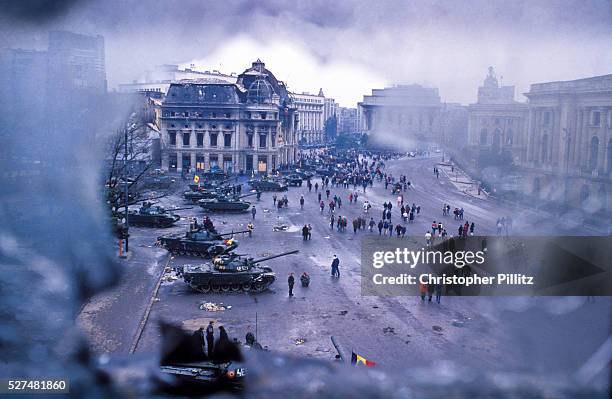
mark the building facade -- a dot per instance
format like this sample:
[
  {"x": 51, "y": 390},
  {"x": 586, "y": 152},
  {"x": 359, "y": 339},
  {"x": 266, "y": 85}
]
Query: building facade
[
  {"x": 410, "y": 113},
  {"x": 497, "y": 123},
  {"x": 311, "y": 120},
  {"x": 247, "y": 126},
  {"x": 569, "y": 157},
  {"x": 347, "y": 120}
]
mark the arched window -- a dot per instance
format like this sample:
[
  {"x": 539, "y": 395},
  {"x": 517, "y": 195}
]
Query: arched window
[
  {"x": 594, "y": 153},
  {"x": 509, "y": 137},
  {"x": 483, "y": 137},
  {"x": 544, "y": 155},
  {"x": 609, "y": 155}
]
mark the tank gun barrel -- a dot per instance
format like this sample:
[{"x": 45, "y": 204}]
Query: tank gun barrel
[
  {"x": 233, "y": 232},
  {"x": 276, "y": 256},
  {"x": 179, "y": 209},
  {"x": 247, "y": 195}
]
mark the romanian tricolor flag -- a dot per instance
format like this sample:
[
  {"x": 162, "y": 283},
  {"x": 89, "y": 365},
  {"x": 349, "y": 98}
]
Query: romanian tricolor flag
[
  {"x": 356, "y": 360},
  {"x": 196, "y": 179}
]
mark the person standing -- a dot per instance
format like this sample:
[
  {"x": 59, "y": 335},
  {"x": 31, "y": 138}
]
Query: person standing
[
  {"x": 291, "y": 282},
  {"x": 274, "y": 199},
  {"x": 335, "y": 267},
  {"x": 430, "y": 290},
  {"x": 380, "y": 227},
  {"x": 253, "y": 211},
  {"x": 200, "y": 334},
  {"x": 428, "y": 238},
  {"x": 305, "y": 232},
  {"x": 302, "y": 202},
  {"x": 250, "y": 228},
  {"x": 210, "y": 338}
]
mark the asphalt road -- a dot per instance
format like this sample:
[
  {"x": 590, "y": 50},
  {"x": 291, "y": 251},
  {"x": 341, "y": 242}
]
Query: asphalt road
[{"x": 505, "y": 334}]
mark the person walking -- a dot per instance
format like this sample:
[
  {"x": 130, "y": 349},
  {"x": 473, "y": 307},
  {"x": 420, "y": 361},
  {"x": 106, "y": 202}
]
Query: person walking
[
  {"x": 430, "y": 290},
  {"x": 253, "y": 212},
  {"x": 439, "y": 287},
  {"x": 290, "y": 282},
  {"x": 210, "y": 338},
  {"x": 250, "y": 228},
  {"x": 305, "y": 232},
  {"x": 423, "y": 291},
  {"x": 335, "y": 267},
  {"x": 302, "y": 202},
  {"x": 380, "y": 227},
  {"x": 428, "y": 238},
  {"x": 372, "y": 224}
]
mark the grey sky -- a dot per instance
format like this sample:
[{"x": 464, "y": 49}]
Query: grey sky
[{"x": 346, "y": 47}]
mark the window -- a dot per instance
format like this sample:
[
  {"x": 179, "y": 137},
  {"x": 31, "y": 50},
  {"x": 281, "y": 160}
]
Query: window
[
  {"x": 509, "y": 137},
  {"x": 172, "y": 113},
  {"x": 199, "y": 162},
  {"x": 172, "y": 161},
  {"x": 228, "y": 115},
  {"x": 595, "y": 118},
  {"x": 200, "y": 139},
  {"x": 546, "y": 118},
  {"x": 186, "y": 137},
  {"x": 214, "y": 115},
  {"x": 213, "y": 139},
  {"x": 172, "y": 137},
  {"x": 483, "y": 137},
  {"x": 262, "y": 141},
  {"x": 250, "y": 140},
  {"x": 227, "y": 140},
  {"x": 186, "y": 126},
  {"x": 594, "y": 153},
  {"x": 263, "y": 115},
  {"x": 273, "y": 137},
  {"x": 186, "y": 113}
]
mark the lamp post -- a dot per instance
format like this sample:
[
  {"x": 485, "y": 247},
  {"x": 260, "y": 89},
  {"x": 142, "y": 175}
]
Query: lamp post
[{"x": 125, "y": 178}]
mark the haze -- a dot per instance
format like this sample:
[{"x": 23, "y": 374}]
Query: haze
[{"x": 347, "y": 48}]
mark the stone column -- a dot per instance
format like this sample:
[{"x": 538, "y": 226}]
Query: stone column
[
  {"x": 193, "y": 161},
  {"x": 165, "y": 160},
  {"x": 179, "y": 161}
]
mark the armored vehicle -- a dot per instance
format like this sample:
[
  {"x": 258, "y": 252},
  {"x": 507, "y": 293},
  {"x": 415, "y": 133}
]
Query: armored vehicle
[
  {"x": 231, "y": 273},
  {"x": 199, "y": 243},
  {"x": 153, "y": 216},
  {"x": 293, "y": 180},
  {"x": 207, "y": 374},
  {"x": 267, "y": 184},
  {"x": 226, "y": 203},
  {"x": 209, "y": 193}
]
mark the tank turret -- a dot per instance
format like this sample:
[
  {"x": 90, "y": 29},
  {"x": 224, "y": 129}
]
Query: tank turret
[{"x": 200, "y": 242}]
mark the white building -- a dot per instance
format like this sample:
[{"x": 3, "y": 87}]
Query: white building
[{"x": 310, "y": 108}]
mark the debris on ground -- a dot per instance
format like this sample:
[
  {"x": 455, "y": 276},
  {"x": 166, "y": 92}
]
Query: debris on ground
[
  {"x": 343, "y": 312},
  {"x": 389, "y": 330},
  {"x": 213, "y": 307},
  {"x": 457, "y": 323},
  {"x": 282, "y": 227},
  {"x": 437, "y": 328},
  {"x": 300, "y": 341}
]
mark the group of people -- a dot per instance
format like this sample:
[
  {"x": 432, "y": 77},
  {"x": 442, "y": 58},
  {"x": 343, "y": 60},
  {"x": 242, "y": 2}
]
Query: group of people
[
  {"x": 206, "y": 224},
  {"x": 341, "y": 222},
  {"x": 304, "y": 279},
  {"x": 307, "y": 232}
]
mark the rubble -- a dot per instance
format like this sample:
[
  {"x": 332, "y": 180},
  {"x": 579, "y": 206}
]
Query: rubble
[{"x": 213, "y": 307}]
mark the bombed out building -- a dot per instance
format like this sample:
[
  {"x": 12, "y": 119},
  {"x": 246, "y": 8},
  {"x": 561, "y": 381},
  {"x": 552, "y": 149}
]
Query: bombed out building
[{"x": 245, "y": 126}]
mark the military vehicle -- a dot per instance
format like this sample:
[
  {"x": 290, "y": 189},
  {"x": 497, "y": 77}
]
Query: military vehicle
[
  {"x": 231, "y": 273},
  {"x": 226, "y": 203},
  {"x": 153, "y": 216},
  {"x": 268, "y": 184},
  {"x": 204, "y": 184},
  {"x": 293, "y": 180},
  {"x": 208, "y": 373},
  {"x": 199, "y": 242},
  {"x": 209, "y": 193}
]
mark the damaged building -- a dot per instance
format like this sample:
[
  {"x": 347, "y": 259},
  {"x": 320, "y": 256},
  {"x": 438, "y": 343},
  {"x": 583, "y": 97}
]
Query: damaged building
[{"x": 247, "y": 126}]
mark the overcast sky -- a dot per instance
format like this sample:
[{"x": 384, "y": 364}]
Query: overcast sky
[{"x": 345, "y": 47}]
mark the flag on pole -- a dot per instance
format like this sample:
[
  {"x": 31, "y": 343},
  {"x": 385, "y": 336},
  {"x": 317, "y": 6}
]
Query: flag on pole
[
  {"x": 356, "y": 360},
  {"x": 196, "y": 179}
]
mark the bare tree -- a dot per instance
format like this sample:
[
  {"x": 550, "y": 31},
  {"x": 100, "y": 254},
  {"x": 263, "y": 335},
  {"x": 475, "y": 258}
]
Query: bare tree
[{"x": 129, "y": 167}]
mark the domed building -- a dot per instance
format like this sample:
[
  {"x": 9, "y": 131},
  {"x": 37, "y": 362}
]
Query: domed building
[{"x": 247, "y": 126}]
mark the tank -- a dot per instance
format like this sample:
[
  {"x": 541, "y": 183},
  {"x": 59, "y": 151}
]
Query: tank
[
  {"x": 293, "y": 180},
  {"x": 210, "y": 193},
  {"x": 268, "y": 184},
  {"x": 199, "y": 242},
  {"x": 209, "y": 184},
  {"x": 149, "y": 215},
  {"x": 231, "y": 273},
  {"x": 226, "y": 203}
]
